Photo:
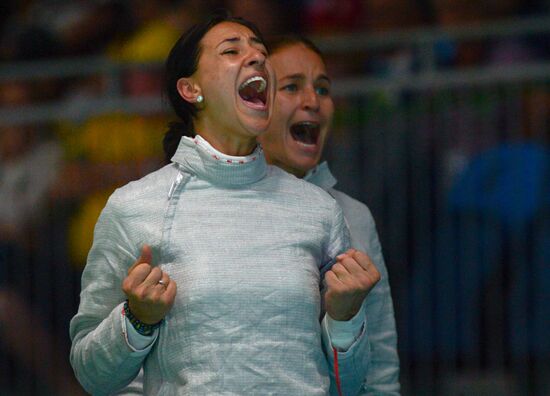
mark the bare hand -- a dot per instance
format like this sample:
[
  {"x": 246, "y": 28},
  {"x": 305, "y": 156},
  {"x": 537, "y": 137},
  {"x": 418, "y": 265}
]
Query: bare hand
[
  {"x": 349, "y": 281},
  {"x": 148, "y": 300}
]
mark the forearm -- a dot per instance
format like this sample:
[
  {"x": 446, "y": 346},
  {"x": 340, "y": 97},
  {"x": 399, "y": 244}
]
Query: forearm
[
  {"x": 101, "y": 356},
  {"x": 347, "y": 368},
  {"x": 383, "y": 375}
]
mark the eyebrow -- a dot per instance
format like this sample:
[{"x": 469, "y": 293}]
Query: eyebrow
[
  {"x": 300, "y": 76},
  {"x": 324, "y": 77},
  {"x": 254, "y": 39}
]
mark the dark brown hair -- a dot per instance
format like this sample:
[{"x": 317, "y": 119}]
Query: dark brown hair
[
  {"x": 182, "y": 62},
  {"x": 279, "y": 42}
]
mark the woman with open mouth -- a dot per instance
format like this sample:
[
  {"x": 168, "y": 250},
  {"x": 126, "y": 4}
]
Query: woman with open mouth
[
  {"x": 302, "y": 115},
  {"x": 208, "y": 272}
]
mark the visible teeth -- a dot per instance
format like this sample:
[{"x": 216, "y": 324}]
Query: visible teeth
[{"x": 263, "y": 83}]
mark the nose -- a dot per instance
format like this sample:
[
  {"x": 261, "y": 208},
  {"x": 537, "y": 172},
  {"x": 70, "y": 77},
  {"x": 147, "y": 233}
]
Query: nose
[
  {"x": 310, "y": 100},
  {"x": 255, "y": 57}
]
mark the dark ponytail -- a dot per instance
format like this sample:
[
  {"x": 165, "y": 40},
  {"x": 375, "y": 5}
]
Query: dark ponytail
[
  {"x": 182, "y": 62},
  {"x": 176, "y": 130}
]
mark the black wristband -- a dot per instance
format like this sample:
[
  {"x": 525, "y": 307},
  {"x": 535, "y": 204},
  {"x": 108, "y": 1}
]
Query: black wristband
[{"x": 142, "y": 328}]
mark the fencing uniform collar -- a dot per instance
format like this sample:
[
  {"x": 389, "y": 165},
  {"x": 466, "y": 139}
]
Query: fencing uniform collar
[
  {"x": 321, "y": 176},
  {"x": 197, "y": 157}
]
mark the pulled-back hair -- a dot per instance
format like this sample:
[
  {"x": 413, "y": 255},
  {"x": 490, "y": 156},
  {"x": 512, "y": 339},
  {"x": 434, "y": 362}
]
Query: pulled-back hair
[
  {"x": 278, "y": 43},
  {"x": 183, "y": 62}
]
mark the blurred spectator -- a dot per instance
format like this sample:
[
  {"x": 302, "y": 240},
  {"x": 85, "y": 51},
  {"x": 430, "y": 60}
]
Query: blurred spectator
[
  {"x": 107, "y": 151},
  {"x": 501, "y": 198},
  {"x": 385, "y": 16},
  {"x": 333, "y": 16},
  {"x": 158, "y": 24},
  {"x": 388, "y": 15},
  {"x": 272, "y": 17},
  {"x": 29, "y": 163},
  {"x": 62, "y": 28},
  {"x": 7, "y": 8},
  {"x": 32, "y": 43},
  {"x": 505, "y": 50}
]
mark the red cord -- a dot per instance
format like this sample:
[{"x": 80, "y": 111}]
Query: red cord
[{"x": 336, "y": 373}]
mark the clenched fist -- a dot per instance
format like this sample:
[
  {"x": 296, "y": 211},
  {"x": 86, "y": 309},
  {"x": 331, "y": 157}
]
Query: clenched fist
[
  {"x": 150, "y": 291},
  {"x": 348, "y": 282}
]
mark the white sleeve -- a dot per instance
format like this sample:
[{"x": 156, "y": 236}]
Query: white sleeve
[
  {"x": 139, "y": 342},
  {"x": 344, "y": 333}
]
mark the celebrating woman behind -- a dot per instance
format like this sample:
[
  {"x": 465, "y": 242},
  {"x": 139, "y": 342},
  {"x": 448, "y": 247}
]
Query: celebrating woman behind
[{"x": 299, "y": 128}]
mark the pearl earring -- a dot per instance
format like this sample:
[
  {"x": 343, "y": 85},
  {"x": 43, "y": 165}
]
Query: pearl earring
[{"x": 200, "y": 99}]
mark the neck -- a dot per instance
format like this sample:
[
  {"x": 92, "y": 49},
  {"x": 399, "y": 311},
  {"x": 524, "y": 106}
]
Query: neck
[
  {"x": 299, "y": 173},
  {"x": 229, "y": 143}
]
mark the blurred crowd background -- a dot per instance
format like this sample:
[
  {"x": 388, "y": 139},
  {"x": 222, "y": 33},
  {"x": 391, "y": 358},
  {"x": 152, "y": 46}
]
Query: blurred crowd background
[{"x": 442, "y": 129}]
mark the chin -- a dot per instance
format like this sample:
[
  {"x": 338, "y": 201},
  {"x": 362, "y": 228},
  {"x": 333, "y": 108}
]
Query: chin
[
  {"x": 255, "y": 126},
  {"x": 304, "y": 165}
]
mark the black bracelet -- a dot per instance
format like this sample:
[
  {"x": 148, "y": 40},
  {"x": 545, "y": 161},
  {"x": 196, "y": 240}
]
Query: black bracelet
[{"x": 142, "y": 328}]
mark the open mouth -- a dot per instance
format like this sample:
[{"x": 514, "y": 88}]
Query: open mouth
[
  {"x": 254, "y": 92},
  {"x": 305, "y": 132}
]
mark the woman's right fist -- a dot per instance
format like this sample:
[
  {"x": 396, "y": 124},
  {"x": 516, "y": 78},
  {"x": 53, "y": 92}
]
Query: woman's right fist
[{"x": 151, "y": 292}]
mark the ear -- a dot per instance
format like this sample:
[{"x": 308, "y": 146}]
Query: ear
[{"x": 188, "y": 90}]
